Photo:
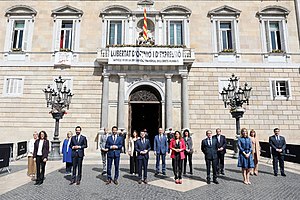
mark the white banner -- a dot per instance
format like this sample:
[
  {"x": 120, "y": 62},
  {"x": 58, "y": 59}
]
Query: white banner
[{"x": 145, "y": 56}]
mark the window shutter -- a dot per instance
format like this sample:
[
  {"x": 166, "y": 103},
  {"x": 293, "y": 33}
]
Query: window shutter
[
  {"x": 58, "y": 24},
  {"x": 218, "y": 36},
  {"x": 233, "y": 36},
  {"x": 287, "y": 89},
  {"x": 274, "y": 89},
  {"x": 267, "y": 32},
  {"x": 74, "y": 28},
  {"x": 119, "y": 32},
  {"x": 11, "y": 27},
  {"x": 282, "y": 36},
  {"x": 25, "y": 38}
]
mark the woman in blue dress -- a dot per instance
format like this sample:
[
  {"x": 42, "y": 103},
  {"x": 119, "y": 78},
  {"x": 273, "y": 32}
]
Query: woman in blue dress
[
  {"x": 67, "y": 153},
  {"x": 245, "y": 160}
]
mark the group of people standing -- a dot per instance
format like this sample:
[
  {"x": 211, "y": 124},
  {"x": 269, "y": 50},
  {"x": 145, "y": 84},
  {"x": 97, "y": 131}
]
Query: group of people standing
[{"x": 180, "y": 148}]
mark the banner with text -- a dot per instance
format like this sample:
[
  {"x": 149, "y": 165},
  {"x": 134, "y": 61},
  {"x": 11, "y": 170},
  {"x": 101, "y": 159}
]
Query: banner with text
[{"x": 145, "y": 56}]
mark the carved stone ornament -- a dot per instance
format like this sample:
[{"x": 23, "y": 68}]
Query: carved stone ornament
[{"x": 143, "y": 95}]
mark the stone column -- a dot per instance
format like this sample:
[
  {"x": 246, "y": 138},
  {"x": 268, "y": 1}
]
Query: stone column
[
  {"x": 168, "y": 104},
  {"x": 121, "y": 99},
  {"x": 105, "y": 98},
  {"x": 184, "y": 101}
]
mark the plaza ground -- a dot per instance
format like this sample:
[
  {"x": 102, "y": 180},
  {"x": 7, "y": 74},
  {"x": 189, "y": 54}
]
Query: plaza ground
[{"x": 17, "y": 185}]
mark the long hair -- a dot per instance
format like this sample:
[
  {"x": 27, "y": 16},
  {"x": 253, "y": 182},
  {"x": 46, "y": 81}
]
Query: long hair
[
  {"x": 179, "y": 135},
  {"x": 253, "y": 132},
  {"x": 45, "y": 135},
  {"x": 137, "y": 134},
  {"x": 242, "y": 132},
  {"x": 186, "y": 130}
]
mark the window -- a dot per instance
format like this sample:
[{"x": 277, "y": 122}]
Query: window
[
  {"x": 66, "y": 32},
  {"x": 115, "y": 32},
  {"x": 273, "y": 23},
  {"x": 274, "y": 36},
  {"x": 280, "y": 89},
  {"x": 66, "y": 35},
  {"x": 176, "y": 34},
  {"x": 225, "y": 36},
  {"x": 18, "y": 33},
  {"x": 175, "y": 26},
  {"x": 13, "y": 86}
]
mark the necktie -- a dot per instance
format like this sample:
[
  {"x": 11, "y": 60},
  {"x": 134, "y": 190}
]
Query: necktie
[
  {"x": 277, "y": 137},
  {"x": 160, "y": 138},
  {"x": 114, "y": 139},
  {"x": 209, "y": 143}
]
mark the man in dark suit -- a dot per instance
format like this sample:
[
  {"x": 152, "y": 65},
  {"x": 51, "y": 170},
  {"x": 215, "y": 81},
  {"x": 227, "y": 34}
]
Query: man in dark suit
[
  {"x": 142, "y": 148},
  {"x": 114, "y": 145},
  {"x": 209, "y": 147},
  {"x": 221, "y": 151},
  {"x": 78, "y": 144},
  {"x": 160, "y": 150},
  {"x": 278, "y": 147}
]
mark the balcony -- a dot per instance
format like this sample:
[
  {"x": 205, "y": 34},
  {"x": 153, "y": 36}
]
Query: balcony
[{"x": 141, "y": 55}]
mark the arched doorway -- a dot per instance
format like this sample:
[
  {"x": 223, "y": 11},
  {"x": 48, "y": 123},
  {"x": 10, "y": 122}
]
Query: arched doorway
[{"x": 145, "y": 111}]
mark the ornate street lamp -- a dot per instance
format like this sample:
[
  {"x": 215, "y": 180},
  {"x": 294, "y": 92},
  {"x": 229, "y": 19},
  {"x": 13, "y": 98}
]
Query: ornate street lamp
[
  {"x": 58, "y": 100},
  {"x": 235, "y": 97}
]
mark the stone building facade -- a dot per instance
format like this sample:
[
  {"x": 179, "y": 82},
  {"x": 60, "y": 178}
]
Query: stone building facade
[{"x": 256, "y": 40}]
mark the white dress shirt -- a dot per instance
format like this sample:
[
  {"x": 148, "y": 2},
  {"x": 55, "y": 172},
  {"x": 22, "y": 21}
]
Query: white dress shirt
[{"x": 40, "y": 148}]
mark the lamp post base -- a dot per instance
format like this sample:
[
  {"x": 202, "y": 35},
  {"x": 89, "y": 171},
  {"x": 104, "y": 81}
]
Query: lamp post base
[{"x": 55, "y": 150}]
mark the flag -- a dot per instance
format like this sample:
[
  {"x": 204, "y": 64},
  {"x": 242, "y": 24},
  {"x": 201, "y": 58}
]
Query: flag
[{"x": 145, "y": 26}]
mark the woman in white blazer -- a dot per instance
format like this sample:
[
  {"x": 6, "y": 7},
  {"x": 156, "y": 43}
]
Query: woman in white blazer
[{"x": 132, "y": 153}]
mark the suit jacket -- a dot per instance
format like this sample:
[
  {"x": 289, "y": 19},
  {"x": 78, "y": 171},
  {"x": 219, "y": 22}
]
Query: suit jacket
[
  {"x": 210, "y": 151},
  {"x": 182, "y": 146},
  {"x": 139, "y": 146},
  {"x": 45, "y": 149},
  {"x": 110, "y": 142},
  {"x": 222, "y": 143},
  {"x": 161, "y": 146},
  {"x": 281, "y": 144},
  {"x": 82, "y": 143}
]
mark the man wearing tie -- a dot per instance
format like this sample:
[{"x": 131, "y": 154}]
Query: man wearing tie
[
  {"x": 278, "y": 146},
  {"x": 209, "y": 147},
  {"x": 142, "y": 147},
  {"x": 114, "y": 144},
  {"x": 160, "y": 150},
  {"x": 78, "y": 144},
  {"x": 221, "y": 151}
]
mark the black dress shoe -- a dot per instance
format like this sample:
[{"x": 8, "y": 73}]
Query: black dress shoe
[
  {"x": 108, "y": 182},
  {"x": 164, "y": 173},
  {"x": 78, "y": 183},
  {"x": 156, "y": 173},
  {"x": 145, "y": 181},
  {"x": 275, "y": 174},
  {"x": 37, "y": 183},
  {"x": 208, "y": 181},
  {"x": 116, "y": 182},
  {"x": 140, "y": 182},
  {"x": 283, "y": 174},
  {"x": 72, "y": 182},
  {"x": 216, "y": 182},
  {"x": 103, "y": 173}
]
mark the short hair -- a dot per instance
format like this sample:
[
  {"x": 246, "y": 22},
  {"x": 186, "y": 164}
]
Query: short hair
[
  {"x": 114, "y": 127},
  {"x": 218, "y": 129},
  {"x": 45, "y": 135},
  {"x": 78, "y": 127},
  {"x": 276, "y": 129},
  {"x": 208, "y": 132}
]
